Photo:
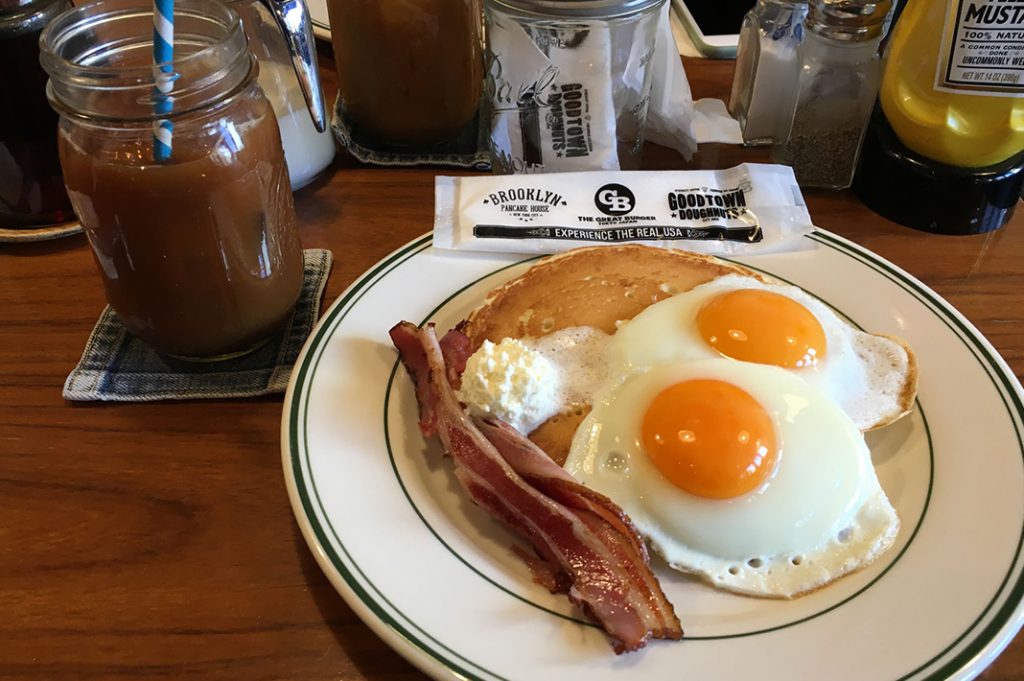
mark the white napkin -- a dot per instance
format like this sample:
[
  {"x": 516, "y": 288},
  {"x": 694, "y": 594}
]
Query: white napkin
[{"x": 674, "y": 120}]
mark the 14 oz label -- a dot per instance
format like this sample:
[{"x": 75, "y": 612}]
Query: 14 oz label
[{"x": 983, "y": 48}]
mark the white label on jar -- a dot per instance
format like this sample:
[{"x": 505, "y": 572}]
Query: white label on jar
[
  {"x": 552, "y": 103},
  {"x": 983, "y": 49}
]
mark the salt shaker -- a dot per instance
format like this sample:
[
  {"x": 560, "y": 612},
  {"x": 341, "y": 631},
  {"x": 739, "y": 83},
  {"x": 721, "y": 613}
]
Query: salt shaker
[
  {"x": 766, "y": 69},
  {"x": 840, "y": 70}
]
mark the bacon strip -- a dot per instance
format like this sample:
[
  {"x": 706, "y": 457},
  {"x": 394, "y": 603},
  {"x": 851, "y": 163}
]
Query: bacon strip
[
  {"x": 600, "y": 513},
  {"x": 586, "y": 545}
]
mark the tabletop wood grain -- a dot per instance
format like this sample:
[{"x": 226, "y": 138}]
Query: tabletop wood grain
[{"x": 156, "y": 541}]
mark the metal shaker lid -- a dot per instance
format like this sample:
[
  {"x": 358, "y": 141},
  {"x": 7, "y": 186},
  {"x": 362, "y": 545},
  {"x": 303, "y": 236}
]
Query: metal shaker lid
[
  {"x": 577, "y": 9},
  {"x": 849, "y": 20}
]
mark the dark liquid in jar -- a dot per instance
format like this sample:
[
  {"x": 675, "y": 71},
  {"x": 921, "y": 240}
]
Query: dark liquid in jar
[
  {"x": 411, "y": 72},
  {"x": 200, "y": 255},
  {"x": 31, "y": 188}
]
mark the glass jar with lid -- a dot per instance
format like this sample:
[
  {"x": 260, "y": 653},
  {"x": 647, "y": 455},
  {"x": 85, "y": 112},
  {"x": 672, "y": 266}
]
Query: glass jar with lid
[
  {"x": 840, "y": 71},
  {"x": 569, "y": 83},
  {"x": 198, "y": 252}
]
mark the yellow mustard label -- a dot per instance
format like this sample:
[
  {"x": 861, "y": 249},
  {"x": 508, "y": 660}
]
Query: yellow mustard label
[{"x": 983, "y": 48}]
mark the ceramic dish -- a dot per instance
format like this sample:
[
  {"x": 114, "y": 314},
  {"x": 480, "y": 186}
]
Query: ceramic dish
[
  {"x": 48, "y": 233},
  {"x": 436, "y": 578}
]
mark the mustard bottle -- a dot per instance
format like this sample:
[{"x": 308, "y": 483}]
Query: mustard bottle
[
  {"x": 945, "y": 149},
  {"x": 965, "y": 114}
]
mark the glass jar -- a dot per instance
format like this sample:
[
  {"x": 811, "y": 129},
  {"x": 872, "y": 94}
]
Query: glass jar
[
  {"x": 767, "y": 70},
  {"x": 410, "y": 72},
  {"x": 198, "y": 253},
  {"x": 569, "y": 83},
  {"x": 31, "y": 189},
  {"x": 307, "y": 151},
  {"x": 840, "y": 70}
]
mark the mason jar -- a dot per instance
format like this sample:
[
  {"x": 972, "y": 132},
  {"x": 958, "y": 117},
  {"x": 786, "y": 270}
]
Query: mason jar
[
  {"x": 568, "y": 83},
  {"x": 410, "y": 72},
  {"x": 198, "y": 252}
]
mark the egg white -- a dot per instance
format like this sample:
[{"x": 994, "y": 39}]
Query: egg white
[
  {"x": 821, "y": 513},
  {"x": 861, "y": 372}
]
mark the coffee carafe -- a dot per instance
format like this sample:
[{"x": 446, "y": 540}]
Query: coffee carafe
[{"x": 281, "y": 37}]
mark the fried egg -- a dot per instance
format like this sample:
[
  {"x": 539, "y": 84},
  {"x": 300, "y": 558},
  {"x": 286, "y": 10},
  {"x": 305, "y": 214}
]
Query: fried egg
[
  {"x": 746, "y": 319},
  {"x": 741, "y": 473}
]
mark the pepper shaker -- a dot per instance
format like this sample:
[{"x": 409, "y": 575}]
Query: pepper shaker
[
  {"x": 767, "y": 67},
  {"x": 840, "y": 70}
]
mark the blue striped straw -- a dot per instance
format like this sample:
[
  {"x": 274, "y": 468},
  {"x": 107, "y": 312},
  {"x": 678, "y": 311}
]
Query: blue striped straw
[{"x": 163, "y": 55}]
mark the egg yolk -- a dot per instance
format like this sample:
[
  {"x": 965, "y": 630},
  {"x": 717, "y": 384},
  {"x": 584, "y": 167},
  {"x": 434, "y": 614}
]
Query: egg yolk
[
  {"x": 710, "y": 438},
  {"x": 763, "y": 327}
]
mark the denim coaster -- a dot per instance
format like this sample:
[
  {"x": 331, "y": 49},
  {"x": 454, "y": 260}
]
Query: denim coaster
[
  {"x": 116, "y": 367},
  {"x": 470, "y": 150}
]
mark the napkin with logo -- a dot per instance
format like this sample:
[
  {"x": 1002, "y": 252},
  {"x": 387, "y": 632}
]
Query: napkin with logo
[{"x": 116, "y": 367}]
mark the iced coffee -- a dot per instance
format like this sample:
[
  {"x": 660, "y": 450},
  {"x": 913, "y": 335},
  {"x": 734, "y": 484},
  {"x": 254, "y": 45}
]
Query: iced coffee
[
  {"x": 198, "y": 252},
  {"x": 199, "y": 257},
  {"x": 409, "y": 71}
]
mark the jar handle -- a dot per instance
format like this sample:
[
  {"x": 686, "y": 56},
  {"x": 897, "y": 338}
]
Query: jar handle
[{"x": 292, "y": 17}]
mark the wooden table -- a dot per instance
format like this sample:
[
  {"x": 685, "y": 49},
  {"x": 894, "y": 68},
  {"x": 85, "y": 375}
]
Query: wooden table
[{"x": 156, "y": 541}]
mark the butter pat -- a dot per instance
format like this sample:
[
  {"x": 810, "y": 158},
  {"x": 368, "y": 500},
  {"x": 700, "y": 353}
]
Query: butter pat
[{"x": 511, "y": 382}]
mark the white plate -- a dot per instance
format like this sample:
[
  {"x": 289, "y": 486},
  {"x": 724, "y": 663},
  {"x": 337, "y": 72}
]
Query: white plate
[
  {"x": 321, "y": 23},
  {"x": 436, "y": 579}
]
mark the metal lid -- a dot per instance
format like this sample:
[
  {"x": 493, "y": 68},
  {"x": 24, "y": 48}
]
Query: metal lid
[
  {"x": 850, "y": 20},
  {"x": 577, "y": 9}
]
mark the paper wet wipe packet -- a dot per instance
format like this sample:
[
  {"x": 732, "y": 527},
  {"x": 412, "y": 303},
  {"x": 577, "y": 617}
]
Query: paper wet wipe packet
[{"x": 749, "y": 209}]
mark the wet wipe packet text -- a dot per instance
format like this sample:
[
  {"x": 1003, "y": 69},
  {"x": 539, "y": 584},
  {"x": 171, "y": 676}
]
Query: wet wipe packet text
[{"x": 748, "y": 209}]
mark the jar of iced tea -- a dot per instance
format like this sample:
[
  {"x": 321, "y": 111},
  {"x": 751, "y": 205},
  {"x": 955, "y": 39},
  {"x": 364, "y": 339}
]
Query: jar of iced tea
[
  {"x": 410, "y": 73},
  {"x": 197, "y": 247}
]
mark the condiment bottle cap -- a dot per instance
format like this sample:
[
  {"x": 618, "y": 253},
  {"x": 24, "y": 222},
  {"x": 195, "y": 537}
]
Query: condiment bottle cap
[{"x": 850, "y": 20}]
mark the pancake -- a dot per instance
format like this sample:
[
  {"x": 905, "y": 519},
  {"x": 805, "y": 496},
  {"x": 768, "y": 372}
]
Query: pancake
[
  {"x": 596, "y": 287},
  {"x": 601, "y": 287}
]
